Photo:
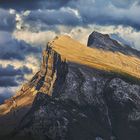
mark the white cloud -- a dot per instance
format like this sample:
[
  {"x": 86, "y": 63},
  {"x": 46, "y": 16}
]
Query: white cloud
[
  {"x": 39, "y": 38},
  {"x": 12, "y": 11},
  {"x": 80, "y": 33}
]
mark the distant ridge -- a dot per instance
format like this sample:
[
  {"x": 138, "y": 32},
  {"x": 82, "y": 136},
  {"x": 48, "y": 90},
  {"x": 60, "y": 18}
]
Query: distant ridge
[{"x": 105, "y": 42}]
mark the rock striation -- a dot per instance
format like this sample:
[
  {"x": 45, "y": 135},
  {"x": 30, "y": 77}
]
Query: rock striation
[{"x": 69, "y": 100}]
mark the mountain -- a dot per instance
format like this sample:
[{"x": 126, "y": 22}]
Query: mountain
[
  {"x": 103, "y": 41},
  {"x": 80, "y": 93}
]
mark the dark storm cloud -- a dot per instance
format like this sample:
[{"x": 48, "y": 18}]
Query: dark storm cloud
[
  {"x": 11, "y": 76},
  {"x": 2, "y": 98},
  {"x": 32, "y": 4},
  {"x": 19, "y": 4},
  {"x": 11, "y": 71},
  {"x": 7, "y": 20},
  {"x": 109, "y": 12},
  {"x": 64, "y": 16},
  {"x": 101, "y": 12},
  {"x": 8, "y": 82},
  {"x": 4, "y": 94},
  {"x": 11, "y": 48},
  {"x": 55, "y": 4}
]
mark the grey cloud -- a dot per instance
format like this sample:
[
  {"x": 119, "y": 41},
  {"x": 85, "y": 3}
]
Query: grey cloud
[
  {"x": 11, "y": 76},
  {"x": 103, "y": 3},
  {"x": 8, "y": 82},
  {"x": 22, "y": 4},
  {"x": 11, "y": 71},
  {"x": 6, "y": 93},
  {"x": 11, "y": 48},
  {"x": 121, "y": 40},
  {"x": 101, "y": 12},
  {"x": 109, "y": 12},
  {"x": 123, "y": 3},
  {"x": 63, "y": 16},
  {"x": 2, "y": 98},
  {"x": 7, "y": 20},
  {"x": 32, "y": 4}
]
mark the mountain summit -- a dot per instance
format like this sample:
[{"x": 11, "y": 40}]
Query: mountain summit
[
  {"x": 103, "y": 41},
  {"x": 79, "y": 93}
]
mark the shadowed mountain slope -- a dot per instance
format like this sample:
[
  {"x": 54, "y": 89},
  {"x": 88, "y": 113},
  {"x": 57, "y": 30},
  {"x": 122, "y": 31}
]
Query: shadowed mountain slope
[{"x": 103, "y": 41}]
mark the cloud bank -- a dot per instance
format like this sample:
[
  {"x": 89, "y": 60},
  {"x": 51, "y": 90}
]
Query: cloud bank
[{"x": 26, "y": 27}]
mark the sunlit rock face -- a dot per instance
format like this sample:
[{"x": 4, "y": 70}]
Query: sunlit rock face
[
  {"x": 51, "y": 69},
  {"x": 71, "y": 101}
]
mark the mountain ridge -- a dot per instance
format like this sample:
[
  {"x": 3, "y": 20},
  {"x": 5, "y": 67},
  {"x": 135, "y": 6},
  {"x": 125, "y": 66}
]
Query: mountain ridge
[
  {"x": 68, "y": 100},
  {"x": 103, "y": 60},
  {"x": 105, "y": 42}
]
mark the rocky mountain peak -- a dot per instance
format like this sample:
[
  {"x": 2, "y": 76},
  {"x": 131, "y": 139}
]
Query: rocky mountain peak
[
  {"x": 78, "y": 93},
  {"x": 101, "y": 40},
  {"x": 99, "y": 35},
  {"x": 105, "y": 42}
]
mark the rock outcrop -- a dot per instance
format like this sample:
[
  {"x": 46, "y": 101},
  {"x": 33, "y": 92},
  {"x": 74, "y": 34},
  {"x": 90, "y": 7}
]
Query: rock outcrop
[{"x": 68, "y": 100}]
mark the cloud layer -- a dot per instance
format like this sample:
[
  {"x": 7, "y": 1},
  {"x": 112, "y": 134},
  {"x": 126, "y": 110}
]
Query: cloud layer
[
  {"x": 11, "y": 48},
  {"x": 7, "y": 20},
  {"x": 80, "y": 13},
  {"x": 26, "y": 27},
  {"x": 31, "y": 5},
  {"x": 10, "y": 76}
]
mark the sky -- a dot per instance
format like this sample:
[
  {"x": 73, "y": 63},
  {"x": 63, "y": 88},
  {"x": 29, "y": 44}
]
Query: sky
[{"x": 27, "y": 26}]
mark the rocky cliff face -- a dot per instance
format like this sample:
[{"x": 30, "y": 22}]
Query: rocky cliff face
[{"x": 71, "y": 101}]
